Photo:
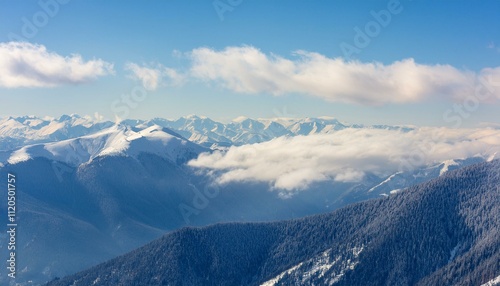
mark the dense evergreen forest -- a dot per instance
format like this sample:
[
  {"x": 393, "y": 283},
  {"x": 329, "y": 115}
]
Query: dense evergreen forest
[{"x": 443, "y": 232}]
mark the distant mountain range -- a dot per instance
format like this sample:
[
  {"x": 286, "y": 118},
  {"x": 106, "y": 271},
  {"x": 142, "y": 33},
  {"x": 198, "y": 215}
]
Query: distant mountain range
[
  {"x": 89, "y": 191},
  {"x": 20, "y": 131},
  {"x": 442, "y": 232}
]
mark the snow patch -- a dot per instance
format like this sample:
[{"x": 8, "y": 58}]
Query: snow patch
[
  {"x": 446, "y": 165},
  {"x": 384, "y": 182},
  {"x": 51, "y": 128},
  {"x": 318, "y": 267},
  {"x": 19, "y": 156},
  {"x": 393, "y": 192},
  {"x": 276, "y": 279},
  {"x": 321, "y": 265},
  {"x": 492, "y": 157},
  {"x": 493, "y": 282}
]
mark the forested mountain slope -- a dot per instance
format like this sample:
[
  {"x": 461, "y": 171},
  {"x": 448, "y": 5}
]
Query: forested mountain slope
[{"x": 443, "y": 232}]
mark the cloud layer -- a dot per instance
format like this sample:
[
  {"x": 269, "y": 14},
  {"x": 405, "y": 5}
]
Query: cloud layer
[
  {"x": 248, "y": 70},
  {"x": 152, "y": 77},
  {"x": 28, "y": 65},
  {"x": 292, "y": 163}
]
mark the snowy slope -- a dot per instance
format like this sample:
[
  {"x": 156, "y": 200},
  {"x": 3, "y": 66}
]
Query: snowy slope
[
  {"x": 407, "y": 239},
  {"x": 115, "y": 140},
  {"x": 329, "y": 266},
  {"x": 20, "y": 131},
  {"x": 493, "y": 282},
  {"x": 128, "y": 199},
  {"x": 401, "y": 180}
]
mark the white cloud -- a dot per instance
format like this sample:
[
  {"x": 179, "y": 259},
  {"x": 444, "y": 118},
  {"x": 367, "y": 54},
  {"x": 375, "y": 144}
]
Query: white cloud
[
  {"x": 24, "y": 64},
  {"x": 174, "y": 77},
  {"x": 291, "y": 163},
  {"x": 493, "y": 46},
  {"x": 248, "y": 70},
  {"x": 151, "y": 77}
]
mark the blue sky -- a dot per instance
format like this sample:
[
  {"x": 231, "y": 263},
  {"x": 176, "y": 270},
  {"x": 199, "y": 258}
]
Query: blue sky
[{"x": 166, "y": 38}]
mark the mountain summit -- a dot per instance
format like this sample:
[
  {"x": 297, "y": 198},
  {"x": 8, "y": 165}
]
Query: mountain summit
[{"x": 115, "y": 140}]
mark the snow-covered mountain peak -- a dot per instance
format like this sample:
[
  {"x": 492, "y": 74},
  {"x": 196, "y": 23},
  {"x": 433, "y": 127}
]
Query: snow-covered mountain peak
[
  {"x": 117, "y": 140},
  {"x": 239, "y": 119},
  {"x": 21, "y": 131},
  {"x": 194, "y": 117}
]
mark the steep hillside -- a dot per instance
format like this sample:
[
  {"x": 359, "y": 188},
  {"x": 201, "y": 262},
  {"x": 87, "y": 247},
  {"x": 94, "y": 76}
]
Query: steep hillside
[{"x": 443, "y": 232}]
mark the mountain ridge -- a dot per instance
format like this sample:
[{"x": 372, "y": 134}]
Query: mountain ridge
[
  {"x": 115, "y": 140},
  {"x": 18, "y": 131},
  {"x": 126, "y": 184},
  {"x": 428, "y": 235}
]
